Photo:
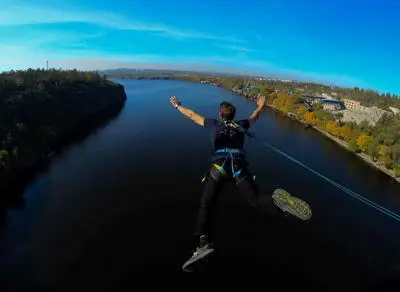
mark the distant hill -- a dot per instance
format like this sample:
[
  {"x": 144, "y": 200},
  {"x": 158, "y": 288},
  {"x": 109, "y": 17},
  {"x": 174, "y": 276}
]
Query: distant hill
[{"x": 138, "y": 71}]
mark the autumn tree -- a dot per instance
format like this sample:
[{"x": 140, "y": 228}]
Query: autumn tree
[
  {"x": 333, "y": 128},
  {"x": 363, "y": 142},
  {"x": 310, "y": 118},
  {"x": 346, "y": 133},
  {"x": 301, "y": 111}
]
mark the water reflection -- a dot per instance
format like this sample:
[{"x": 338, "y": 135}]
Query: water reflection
[{"x": 13, "y": 195}]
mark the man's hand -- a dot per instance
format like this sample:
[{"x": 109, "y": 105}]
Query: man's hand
[
  {"x": 260, "y": 106},
  {"x": 198, "y": 119},
  {"x": 174, "y": 101},
  {"x": 261, "y": 101}
]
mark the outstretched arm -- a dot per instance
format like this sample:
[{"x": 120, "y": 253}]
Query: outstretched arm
[
  {"x": 195, "y": 117},
  {"x": 260, "y": 107}
]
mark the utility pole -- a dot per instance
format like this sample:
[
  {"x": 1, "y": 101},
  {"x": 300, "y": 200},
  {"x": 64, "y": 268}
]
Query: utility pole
[{"x": 47, "y": 65}]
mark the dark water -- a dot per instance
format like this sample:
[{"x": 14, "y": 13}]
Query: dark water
[{"x": 117, "y": 211}]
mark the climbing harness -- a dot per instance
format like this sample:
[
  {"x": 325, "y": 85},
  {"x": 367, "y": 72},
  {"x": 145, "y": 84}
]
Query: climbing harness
[{"x": 230, "y": 153}]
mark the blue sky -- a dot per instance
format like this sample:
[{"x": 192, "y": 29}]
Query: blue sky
[{"x": 350, "y": 43}]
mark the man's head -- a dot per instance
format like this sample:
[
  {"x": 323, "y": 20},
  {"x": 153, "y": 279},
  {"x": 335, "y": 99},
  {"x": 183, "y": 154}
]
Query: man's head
[{"x": 227, "y": 111}]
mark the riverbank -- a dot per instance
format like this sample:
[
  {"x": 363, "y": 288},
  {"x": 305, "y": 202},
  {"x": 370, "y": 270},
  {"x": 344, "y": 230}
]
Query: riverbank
[
  {"x": 367, "y": 159},
  {"x": 362, "y": 156},
  {"x": 67, "y": 114}
]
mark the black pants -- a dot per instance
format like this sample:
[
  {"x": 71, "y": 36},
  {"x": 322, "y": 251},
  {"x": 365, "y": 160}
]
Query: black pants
[{"x": 246, "y": 185}]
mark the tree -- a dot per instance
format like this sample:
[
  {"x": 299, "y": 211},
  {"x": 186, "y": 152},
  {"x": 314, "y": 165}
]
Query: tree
[
  {"x": 333, "y": 128},
  {"x": 353, "y": 147},
  {"x": 39, "y": 106},
  {"x": 365, "y": 127},
  {"x": 396, "y": 170},
  {"x": 363, "y": 141},
  {"x": 310, "y": 118},
  {"x": 373, "y": 149},
  {"x": 384, "y": 153},
  {"x": 301, "y": 110},
  {"x": 346, "y": 133},
  {"x": 388, "y": 137},
  {"x": 395, "y": 150}
]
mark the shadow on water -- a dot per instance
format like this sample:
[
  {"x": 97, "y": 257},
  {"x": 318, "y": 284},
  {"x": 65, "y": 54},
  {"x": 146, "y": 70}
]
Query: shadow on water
[{"x": 12, "y": 194}]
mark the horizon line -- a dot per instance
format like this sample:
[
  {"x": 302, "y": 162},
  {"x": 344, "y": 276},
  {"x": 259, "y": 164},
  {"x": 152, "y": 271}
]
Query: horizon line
[{"x": 261, "y": 75}]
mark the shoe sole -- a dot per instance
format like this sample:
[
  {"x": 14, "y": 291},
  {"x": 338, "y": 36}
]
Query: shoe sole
[
  {"x": 192, "y": 260},
  {"x": 292, "y": 205}
]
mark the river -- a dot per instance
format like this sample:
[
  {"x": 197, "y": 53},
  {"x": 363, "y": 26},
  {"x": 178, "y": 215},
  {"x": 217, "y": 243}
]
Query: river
[{"x": 117, "y": 210}]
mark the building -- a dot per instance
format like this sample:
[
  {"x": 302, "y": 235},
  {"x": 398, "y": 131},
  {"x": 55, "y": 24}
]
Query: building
[
  {"x": 312, "y": 99},
  {"x": 326, "y": 96},
  {"x": 332, "y": 104},
  {"x": 351, "y": 104}
]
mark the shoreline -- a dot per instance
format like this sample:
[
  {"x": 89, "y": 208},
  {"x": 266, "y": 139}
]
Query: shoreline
[
  {"x": 18, "y": 176},
  {"x": 362, "y": 156},
  {"x": 14, "y": 184}
]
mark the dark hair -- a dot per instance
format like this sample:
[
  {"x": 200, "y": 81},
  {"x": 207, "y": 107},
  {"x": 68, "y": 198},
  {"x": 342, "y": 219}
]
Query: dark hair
[{"x": 227, "y": 110}]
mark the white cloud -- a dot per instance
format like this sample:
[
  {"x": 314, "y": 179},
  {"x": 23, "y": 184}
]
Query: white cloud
[
  {"x": 27, "y": 13},
  {"x": 30, "y": 50},
  {"x": 236, "y": 48},
  {"x": 37, "y": 37}
]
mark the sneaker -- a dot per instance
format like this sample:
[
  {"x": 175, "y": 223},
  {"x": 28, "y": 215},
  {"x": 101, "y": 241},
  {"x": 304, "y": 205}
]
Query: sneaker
[
  {"x": 292, "y": 205},
  {"x": 200, "y": 253}
]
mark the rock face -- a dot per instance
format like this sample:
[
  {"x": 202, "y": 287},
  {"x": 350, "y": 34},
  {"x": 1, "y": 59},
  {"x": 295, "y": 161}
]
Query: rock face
[
  {"x": 369, "y": 114},
  {"x": 395, "y": 110}
]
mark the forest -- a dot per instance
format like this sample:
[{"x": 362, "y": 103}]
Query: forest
[{"x": 39, "y": 108}]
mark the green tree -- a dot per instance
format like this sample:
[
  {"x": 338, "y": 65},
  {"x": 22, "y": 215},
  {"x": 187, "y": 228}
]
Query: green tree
[
  {"x": 353, "y": 147},
  {"x": 396, "y": 170},
  {"x": 39, "y": 106},
  {"x": 373, "y": 149},
  {"x": 384, "y": 153}
]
